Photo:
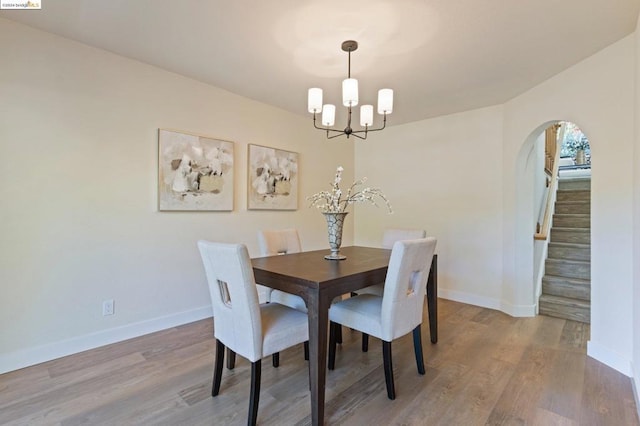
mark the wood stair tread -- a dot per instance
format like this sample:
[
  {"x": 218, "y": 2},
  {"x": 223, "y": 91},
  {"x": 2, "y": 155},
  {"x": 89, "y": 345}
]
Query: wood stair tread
[
  {"x": 569, "y": 261},
  {"x": 565, "y": 301},
  {"x": 569, "y": 245},
  {"x": 570, "y": 280}
]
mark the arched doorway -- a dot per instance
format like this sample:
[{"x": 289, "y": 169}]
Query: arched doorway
[{"x": 554, "y": 205}]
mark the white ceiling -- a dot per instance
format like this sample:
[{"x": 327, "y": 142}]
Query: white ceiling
[{"x": 439, "y": 56}]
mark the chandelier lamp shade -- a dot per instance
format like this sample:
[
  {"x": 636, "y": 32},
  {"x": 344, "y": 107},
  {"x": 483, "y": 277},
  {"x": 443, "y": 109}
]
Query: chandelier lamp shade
[{"x": 349, "y": 100}]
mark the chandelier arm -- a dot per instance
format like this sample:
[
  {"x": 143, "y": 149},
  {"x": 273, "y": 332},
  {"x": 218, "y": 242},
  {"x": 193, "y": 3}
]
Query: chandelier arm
[
  {"x": 384, "y": 124},
  {"x": 340, "y": 133}
]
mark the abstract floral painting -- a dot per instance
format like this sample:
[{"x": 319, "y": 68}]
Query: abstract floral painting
[
  {"x": 273, "y": 179},
  {"x": 194, "y": 172}
]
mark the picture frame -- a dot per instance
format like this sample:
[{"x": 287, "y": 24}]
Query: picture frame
[
  {"x": 272, "y": 182},
  {"x": 195, "y": 173}
]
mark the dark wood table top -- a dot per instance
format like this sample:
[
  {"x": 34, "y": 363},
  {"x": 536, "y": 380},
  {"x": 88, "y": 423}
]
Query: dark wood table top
[{"x": 310, "y": 269}]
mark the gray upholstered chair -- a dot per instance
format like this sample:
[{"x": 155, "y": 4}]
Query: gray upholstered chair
[
  {"x": 397, "y": 312},
  {"x": 240, "y": 322}
]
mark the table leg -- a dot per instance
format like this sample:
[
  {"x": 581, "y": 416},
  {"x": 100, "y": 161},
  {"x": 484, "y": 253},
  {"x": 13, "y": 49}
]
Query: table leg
[
  {"x": 432, "y": 299},
  {"x": 318, "y": 322}
]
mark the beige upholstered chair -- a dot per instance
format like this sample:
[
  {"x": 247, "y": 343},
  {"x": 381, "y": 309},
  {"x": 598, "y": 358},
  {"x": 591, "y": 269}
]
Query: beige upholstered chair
[
  {"x": 275, "y": 242},
  {"x": 280, "y": 242},
  {"x": 397, "y": 312},
  {"x": 389, "y": 237},
  {"x": 240, "y": 322}
]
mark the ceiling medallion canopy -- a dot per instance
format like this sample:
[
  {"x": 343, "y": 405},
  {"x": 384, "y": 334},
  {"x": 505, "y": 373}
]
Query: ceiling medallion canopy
[{"x": 349, "y": 100}]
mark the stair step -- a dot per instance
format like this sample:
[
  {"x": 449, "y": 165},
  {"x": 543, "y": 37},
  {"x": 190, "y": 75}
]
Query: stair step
[
  {"x": 572, "y": 207},
  {"x": 568, "y": 268},
  {"x": 563, "y": 307},
  {"x": 575, "y": 184},
  {"x": 566, "y": 287},
  {"x": 573, "y": 195},
  {"x": 571, "y": 235},
  {"x": 572, "y": 220},
  {"x": 569, "y": 251}
]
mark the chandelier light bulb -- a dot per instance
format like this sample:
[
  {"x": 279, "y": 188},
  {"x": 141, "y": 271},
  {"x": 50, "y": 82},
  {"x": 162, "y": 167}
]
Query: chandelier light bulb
[
  {"x": 385, "y": 101},
  {"x": 366, "y": 115},
  {"x": 315, "y": 100},
  {"x": 349, "y": 92},
  {"x": 328, "y": 115}
]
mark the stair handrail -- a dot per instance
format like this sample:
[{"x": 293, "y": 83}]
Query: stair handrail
[{"x": 543, "y": 233}]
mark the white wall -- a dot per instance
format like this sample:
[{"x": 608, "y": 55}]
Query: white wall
[
  {"x": 443, "y": 175},
  {"x": 595, "y": 94},
  {"x": 79, "y": 219},
  {"x": 461, "y": 178}
]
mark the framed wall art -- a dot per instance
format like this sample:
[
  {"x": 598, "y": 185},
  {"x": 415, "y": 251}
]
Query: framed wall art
[
  {"x": 273, "y": 179},
  {"x": 195, "y": 173}
]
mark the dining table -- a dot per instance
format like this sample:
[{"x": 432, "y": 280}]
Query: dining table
[{"x": 318, "y": 282}]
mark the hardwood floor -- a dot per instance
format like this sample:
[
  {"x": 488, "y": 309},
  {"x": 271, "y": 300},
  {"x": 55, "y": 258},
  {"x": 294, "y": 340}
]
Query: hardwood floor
[{"x": 487, "y": 369}]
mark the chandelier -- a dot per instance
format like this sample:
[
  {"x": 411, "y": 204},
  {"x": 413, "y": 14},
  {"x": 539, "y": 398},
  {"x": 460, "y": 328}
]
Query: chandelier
[{"x": 349, "y": 99}]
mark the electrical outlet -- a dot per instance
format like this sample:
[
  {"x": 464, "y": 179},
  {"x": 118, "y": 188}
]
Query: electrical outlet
[{"x": 108, "y": 307}]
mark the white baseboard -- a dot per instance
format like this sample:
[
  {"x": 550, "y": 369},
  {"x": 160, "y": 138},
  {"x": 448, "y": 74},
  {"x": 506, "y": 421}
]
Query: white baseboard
[
  {"x": 610, "y": 358},
  {"x": 36, "y": 355},
  {"x": 488, "y": 302}
]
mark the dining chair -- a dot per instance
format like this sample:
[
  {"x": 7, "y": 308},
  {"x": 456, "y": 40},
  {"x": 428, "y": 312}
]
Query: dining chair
[
  {"x": 397, "y": 312},
  {"x": 273, "y": 242},
  {"x": 241, "y": 323},
  {"x": 389, "y": 237},
  {"x": 279, "y": 242}
]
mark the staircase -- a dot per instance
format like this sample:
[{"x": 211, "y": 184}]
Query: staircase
[{"x": 566, "y": 285}]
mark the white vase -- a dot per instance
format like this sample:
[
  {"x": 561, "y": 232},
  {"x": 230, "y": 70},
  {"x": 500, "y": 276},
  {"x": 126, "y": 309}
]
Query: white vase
[{"x": 335, "y": 222}]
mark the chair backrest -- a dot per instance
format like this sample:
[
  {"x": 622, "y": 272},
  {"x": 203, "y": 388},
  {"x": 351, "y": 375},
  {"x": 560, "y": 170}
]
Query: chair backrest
[
  {"x": 281, "y": 241},
  {"x": 405, "y": 286},
  {"x": 234, "y": 297},
  {"x": 390, "y": 236}
]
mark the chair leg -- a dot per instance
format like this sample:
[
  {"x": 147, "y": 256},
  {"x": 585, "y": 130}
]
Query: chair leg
[
  {"x": 365, "y": 342},
  {"x": 338, "y": 333},
  {"x": 333, "y": 326},
  {"x": 275, "y": 360},
  {"x": 254, "y": 398},
  {"x": 417, "y": 348},
  {"x": 388, "y": 369},
  {"x": 306, "y": 350},
  {"x": 231, "y": 359},
  {"x": 217, "y": 371}
]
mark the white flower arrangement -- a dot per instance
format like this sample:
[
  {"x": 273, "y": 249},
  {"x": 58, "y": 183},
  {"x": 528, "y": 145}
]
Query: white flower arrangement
[{"x": 334, "y": 202}]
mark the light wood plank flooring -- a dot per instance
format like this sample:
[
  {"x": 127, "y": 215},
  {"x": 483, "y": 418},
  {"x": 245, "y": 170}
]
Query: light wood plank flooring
[{"x": 487, "y": 369}]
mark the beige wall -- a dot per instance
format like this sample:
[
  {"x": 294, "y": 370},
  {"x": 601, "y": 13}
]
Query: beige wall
[
  {"x": 462, "y": 177},
  {"x": 636, "y": 227},
  {"x": 79, "y": 222},
  {"x": 443, "y": 175}
]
